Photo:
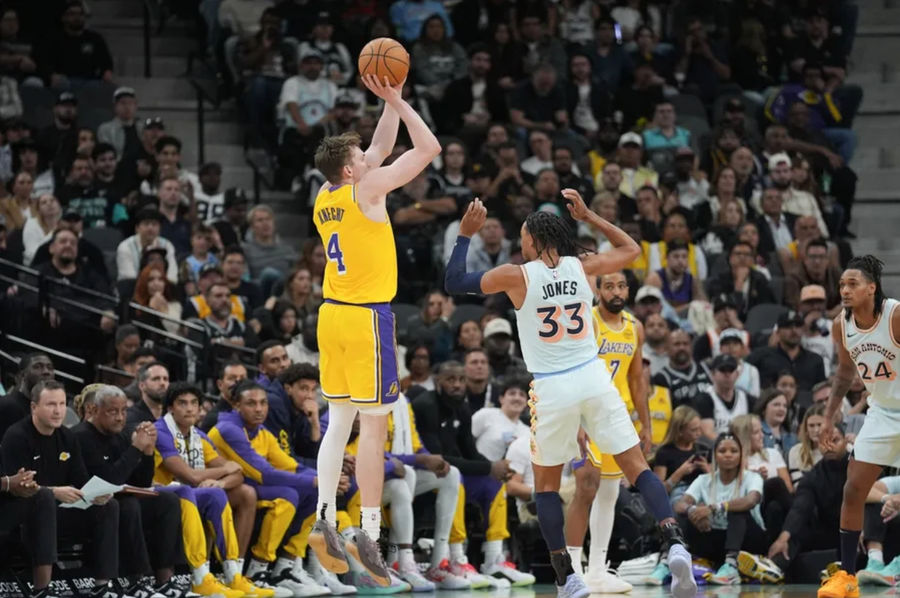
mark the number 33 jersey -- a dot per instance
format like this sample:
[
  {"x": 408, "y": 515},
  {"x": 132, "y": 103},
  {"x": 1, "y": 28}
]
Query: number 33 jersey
[
  {"x": 554, "y": 322},
  {"x": 876, "y": 354},
  {"x": 362, "y": 259}
]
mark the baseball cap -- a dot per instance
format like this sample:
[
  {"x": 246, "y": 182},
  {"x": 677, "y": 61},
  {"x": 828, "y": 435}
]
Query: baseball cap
[
  {"x": 66, "y": 97},
  {"x": 235, "y": 196},
  {"x": 734, "y": 105},
  {"x": 72, "y": 216},
  {"x": 730, "y": 334},
  {"x": 479, "y": 169},
  {"x": 631, "y": 137},
  {"x": 790, "y": 318},
  {"x": 723, "y": 363},
  {"x": 209, "y": 269},
  {"x": 777, "y": 159},
  {"x": 812, "y": 292},
  {"x": 310, "y": 52},
  {"x": 648, "y": 292},
  {"x": 123, "y": 92},
  {"x": 154, "y": 123},
  {"x": 498, "y": 326},
  {"x": 723, "y": 301},
  {"x": 323, "y": 18},
  {"x": 346, "y": 99},
  {"x": 148, "y": 214}
]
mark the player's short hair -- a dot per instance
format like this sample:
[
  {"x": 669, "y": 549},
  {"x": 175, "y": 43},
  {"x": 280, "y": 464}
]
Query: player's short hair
[
  {"x": 334, "y": 153},
  {"x": 176, "y": 389},
  {"x": 265, "y": 346},
  {"x": 522, "y": 383},
  {"x": 43, "y": 385},
  {"x": 242, "y": 387},
  {"x": 299, "y": 371}
]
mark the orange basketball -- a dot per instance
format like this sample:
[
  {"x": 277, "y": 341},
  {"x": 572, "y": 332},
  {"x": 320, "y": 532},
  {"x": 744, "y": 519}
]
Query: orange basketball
[{"x": 384, "y": 57}]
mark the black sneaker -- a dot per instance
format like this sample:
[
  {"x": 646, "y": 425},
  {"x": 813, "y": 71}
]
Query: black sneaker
[
  {"x": 368, "y": 553},
  {"x": 109, "y": 590},
  {"x": 142, "y": 589},
  {"x": 172, "y": 589},
  {"x": 324, "y": 540}
]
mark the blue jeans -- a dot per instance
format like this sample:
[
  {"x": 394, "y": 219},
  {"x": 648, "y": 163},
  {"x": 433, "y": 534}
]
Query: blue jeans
[
  {"x": 261, "y": 96},
  {"x": 843, "y": 140}
]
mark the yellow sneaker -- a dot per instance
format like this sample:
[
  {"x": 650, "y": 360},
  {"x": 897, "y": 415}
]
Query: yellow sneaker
[
  {"x": 213, "y": 587},
  {"x": 242, "y": 584},
  {"x": 840, "y": 585}
]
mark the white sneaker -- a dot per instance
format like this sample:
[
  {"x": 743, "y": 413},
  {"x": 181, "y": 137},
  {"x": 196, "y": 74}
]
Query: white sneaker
[
  {"x": 465, "y": 570},
  {"x": 329, "y": 580},
  {"x": 410, "y": 574},
  {"x": 444, "y": 579},
  {"x": 264, "y": 580},
  {"x": 298, "y": 587},
  {"x": 683, "y": 583},
  {"x": 606, "y": 581},
  {"x": 501, "y": 569}
]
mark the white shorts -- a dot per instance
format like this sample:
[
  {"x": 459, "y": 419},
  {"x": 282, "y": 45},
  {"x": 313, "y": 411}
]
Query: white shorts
[
  {"x": 581, "y": 397},
  {"x": 878, "y": 441}
]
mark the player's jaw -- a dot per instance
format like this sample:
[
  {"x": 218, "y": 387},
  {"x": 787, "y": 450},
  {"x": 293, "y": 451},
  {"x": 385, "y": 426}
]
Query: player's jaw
[{"x": 614, "y": 304}]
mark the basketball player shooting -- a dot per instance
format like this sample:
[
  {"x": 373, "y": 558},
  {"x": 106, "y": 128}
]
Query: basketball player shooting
[
  {"x": 572, "y": 387},
  {"x": 358, "y": 359},
  {"x": 866, "y": 334}
]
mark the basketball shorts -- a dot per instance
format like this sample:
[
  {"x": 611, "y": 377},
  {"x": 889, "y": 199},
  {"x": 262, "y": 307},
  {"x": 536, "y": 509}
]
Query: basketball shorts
[
  {"x": 878, "y": 441},
  {"x": 358, "y": 354},
  {"x": 583, "y": 396}
]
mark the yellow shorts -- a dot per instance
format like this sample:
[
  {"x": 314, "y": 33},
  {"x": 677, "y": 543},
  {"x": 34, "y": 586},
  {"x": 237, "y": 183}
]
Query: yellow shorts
[
  {"x": 604, "y": 462},
  {"x": 358, "y": 353}
]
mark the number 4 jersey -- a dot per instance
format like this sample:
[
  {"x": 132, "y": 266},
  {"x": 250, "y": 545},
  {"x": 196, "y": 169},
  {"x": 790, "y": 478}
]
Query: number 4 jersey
[
  {"x": 554, "y": 322},
  {"x": 876, "y": 354},
  {"x": 362, "y": 260}
]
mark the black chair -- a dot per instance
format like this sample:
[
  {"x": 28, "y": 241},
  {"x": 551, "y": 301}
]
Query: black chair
[{"x": 763, "y": 317}]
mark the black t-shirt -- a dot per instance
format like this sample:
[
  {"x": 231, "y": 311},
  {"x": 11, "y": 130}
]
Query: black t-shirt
[
  {"x": 683, "y": 385},
  {"x": 113, "y": 457},
  {"x": 671, "y": 457},
  {"x": 538, "y": 108},
  {"x": 90, "y": 202},
  {"x": 56, "y": 459}
]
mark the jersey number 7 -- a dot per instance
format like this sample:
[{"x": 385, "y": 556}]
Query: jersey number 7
[{"x": 553, "y": 330}]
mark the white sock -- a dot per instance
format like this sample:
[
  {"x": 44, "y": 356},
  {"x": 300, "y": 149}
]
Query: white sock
[
  {"x": 331, "y": 458},
  {"x": 371, "y": 521},
  {"x": 405, "y": 558},
  {"x": 457, "y": 554},
  {"x": 230, "y": 568},
  {"x": 283, "y": 563},
  {"x": 297, "y": 569},
  {"x": 440, "y": 552},
  {"x": 493, "y": 551},
  {"x": 575, "y": 556},
  {"x": 601, "y": 523},
  {"x": 876, "y": 555},
  {"x": 312, "y": 563},
  {"x": 198, "y": 574}
]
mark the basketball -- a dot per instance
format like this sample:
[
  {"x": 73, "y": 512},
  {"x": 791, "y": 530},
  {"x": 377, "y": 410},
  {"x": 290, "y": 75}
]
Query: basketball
[{"x": 384, "y": 57}]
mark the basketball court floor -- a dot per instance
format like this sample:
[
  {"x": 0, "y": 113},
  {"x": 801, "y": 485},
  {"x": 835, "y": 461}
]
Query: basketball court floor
[{"x": 744, "y": 591}]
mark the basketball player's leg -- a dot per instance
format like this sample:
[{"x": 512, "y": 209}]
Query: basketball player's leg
[
  {"x": 861, "y": 476},
  {"x": 587, "y": 481}
]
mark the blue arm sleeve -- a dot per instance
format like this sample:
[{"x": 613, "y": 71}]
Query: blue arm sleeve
[{"x": 456, "y": 280}]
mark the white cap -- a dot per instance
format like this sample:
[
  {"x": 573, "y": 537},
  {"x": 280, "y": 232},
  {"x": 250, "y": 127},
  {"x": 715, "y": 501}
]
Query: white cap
[
  {"x": 648, "y": 291},
  {"x": 498, "y": 326},
  {"x": 776, "y": 159},
  {"x": 631, "y": 137}
]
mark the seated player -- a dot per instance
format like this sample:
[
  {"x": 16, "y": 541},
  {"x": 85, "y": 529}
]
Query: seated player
[
  {"x": 285, "y": 486},
  {"x": 301, "y": 383},
  {"x": 187, "y": 465}
]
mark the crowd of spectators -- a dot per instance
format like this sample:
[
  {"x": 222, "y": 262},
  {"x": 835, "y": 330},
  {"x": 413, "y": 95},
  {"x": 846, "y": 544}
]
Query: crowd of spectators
[{"x": 718, "y": 135}]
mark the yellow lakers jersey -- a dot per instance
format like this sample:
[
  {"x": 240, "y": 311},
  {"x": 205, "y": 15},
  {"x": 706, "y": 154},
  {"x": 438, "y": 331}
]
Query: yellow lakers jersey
[
  {"x": 617, "y": 348},
  {"x": 660, "y": 404},
  {"x": 362, "y": 258}
]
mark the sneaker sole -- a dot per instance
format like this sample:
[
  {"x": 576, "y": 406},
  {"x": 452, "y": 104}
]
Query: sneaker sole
[
  {"x": 871, "y": 577},
  {"x": 353, "y": 550},
  {"x": 330, "y": 562},
  {"x": 748, "y": 565},
  {"x": 683, "y": 583}
]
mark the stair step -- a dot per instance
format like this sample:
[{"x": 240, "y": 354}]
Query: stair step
[
  {"x": 160, "y": 89},
  {"x": 127, "y": 43},
  {"x": 877, "y": 13},
  {"x": 162, "y": 66},
  {"x": 114, "y": 8},
  {"x": 881, "y": 97},
  {"x": 227, "y": 154}
]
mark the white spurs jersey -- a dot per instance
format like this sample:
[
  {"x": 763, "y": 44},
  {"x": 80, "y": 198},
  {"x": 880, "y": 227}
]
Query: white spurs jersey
[
  {"x": 876, "y": 354},
  {"x": 555, "y": 328}
]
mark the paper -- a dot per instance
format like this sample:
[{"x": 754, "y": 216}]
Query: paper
[{"x": 94, "y": 488}]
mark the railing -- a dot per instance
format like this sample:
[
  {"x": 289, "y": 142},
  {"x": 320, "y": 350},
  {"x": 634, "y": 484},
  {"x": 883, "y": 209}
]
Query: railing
[
  {"x": 204, "y": 78},
  {"x": 150, "y": 11}
]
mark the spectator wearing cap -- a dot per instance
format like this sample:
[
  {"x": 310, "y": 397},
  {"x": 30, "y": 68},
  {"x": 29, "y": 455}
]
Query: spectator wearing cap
[
  {"x": 409, "y": 16},
  {"x": 39, "y": 230},
  {"x": 436, "y": 59},
  {"x": 343, "y": 119},
  {"x": 338, "y": 65},
  {"x": 662, "y": 133},
  {"x": 123, "y": 132},
  {"x": 539, "y": 102},
  {"x": 232, "y": 224},
  {"x": 691, "y": 182},
  {"x": 139, "y": 167},
  {"x": 474, "y": 100},
  {"x": 734, "y": 115},
  {"x": 723, "y": 401},
  {"x": 147, "y": 223},
  {"x": 746, "y": 286},
  {"x": 814, "y": 269},
  {"x": 306, "y": 101},
  {"x": 634, "y": 174},
  {"x": 650, "y": 300},
  {"x": 58, "y": 141},
  {"x": 79, "y": 194},
  {"x": 678, "y": 285},
  {"x": 610, "y": 61},
  {"x": 788, "y": 354},
  {"x": 266, "y": 60},
  {"x": 725, "y": 317},
  {"x": 209, "y": 198},
  {"x": 703, "y": 63},
  {"x": 794, "y": 201},
  {"x": 498, "y": 346},
  {"x": 816, "y": 324},
  {"x": 76, "y": 55},
  {"x": 735, "y": 342}
]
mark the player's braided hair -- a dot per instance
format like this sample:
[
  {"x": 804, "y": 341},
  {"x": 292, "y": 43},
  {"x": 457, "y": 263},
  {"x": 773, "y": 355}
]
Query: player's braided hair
[
  {"x": 549, "y": 231},
  {"x": 871, "y": 268}
]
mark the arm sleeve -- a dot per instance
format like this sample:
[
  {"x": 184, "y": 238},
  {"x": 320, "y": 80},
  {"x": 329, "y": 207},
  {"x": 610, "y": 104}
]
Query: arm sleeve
[
  {"x": 753, "y": 482},
  {"x": 660, "y": 380},
  {"x": 695, "y": 490}
]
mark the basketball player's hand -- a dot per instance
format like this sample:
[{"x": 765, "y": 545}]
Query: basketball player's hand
[
  {"x": 583, "y": 442},
  {"x": 500, "y": 470},
  {"x": 399, "y": 469},
  {"x": 646, "y": 440},
  {"x": 383, "y": 89},
  {"x": 576, "y": 205},
  {"x": 349, "y": 466},
  {"x": 473, "y": 219},
  {"x": 828, "y": 438}
]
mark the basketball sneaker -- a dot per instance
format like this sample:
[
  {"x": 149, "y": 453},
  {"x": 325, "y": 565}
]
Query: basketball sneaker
[
  {"x": 324, "y": 540},
  {"x": 727, "y": 575},
  {"x": 683, "y": 583},
  {"x": 759, "y": 567},
  {"x": 840, "y": 585},
  {"x": 574, "y": 588},
  {"x": 444, "y": 579}
]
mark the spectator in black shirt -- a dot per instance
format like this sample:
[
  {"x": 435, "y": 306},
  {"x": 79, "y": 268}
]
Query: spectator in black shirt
[
  {"x": 81, "y": 196},
  {"x": 229, "y": 375},
  {"x": 16, "y": 56},
  {"x": 42, "y": 442},
  {"x": 153, "y": 382},
  {"x": 472, "y": 102},
  {"x": 587, "y": 100},
  {"x": 638, "y": 100},
  {"x": 563, "y": 162},
  {"x": 680, "y": 459},
  {"x": 147, "y": 525},
  {"x": 684, "y": 378},
  {"x": 233, "y": 223},
  {"x": 788, "y": 355},
  {"x": 819, "y": 47},
  {"x": 301, "y": 383},
  {"x": 234, "y": 267},
  {"x": 76, "y": 55},
  {"x": 745, "y": 286},
  {"x": 58, "y": 141},
  {"x": 16, "y": 404},
  {"x": 110, "y": 185},
  {"x": 539, "y": 102},
  {"x": 702, "y": 62}
]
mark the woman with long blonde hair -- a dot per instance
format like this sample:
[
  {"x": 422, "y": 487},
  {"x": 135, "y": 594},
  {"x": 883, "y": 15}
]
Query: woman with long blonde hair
[
  {"x": 767, "y": 462},
  {"x": 805, "y": 454}
]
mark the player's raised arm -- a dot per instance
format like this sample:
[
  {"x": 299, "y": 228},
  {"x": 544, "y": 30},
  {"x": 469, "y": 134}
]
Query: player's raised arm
[
  {"x": 385, "y": 136},
  {"x": 377, "y": 183},
  {"x": 496, "y": 280},
  {"x": 624, "y": 250}
]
